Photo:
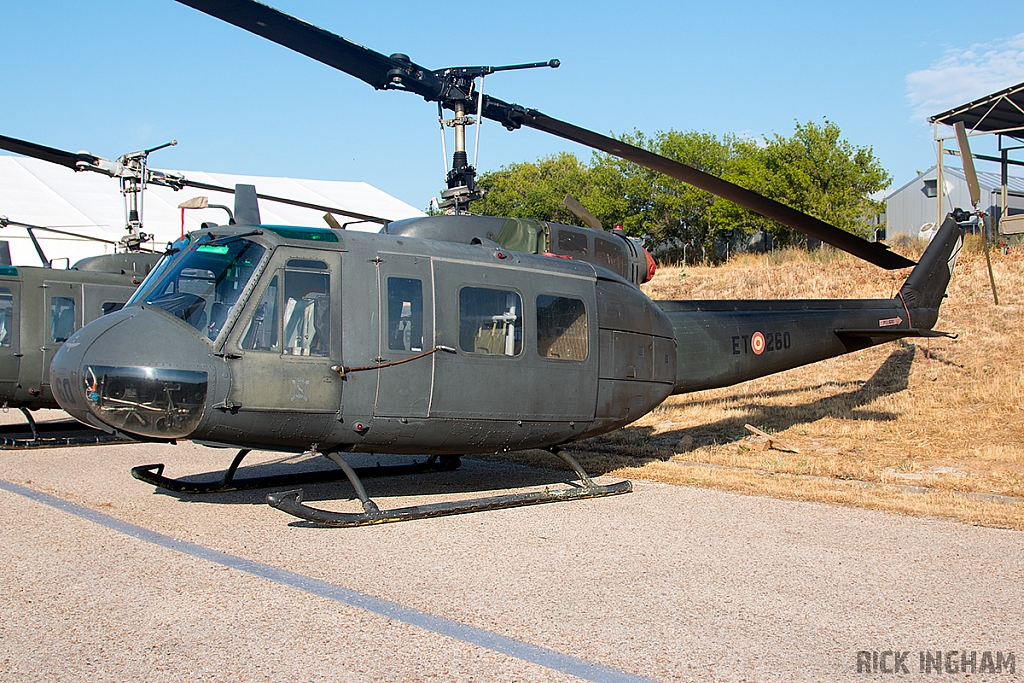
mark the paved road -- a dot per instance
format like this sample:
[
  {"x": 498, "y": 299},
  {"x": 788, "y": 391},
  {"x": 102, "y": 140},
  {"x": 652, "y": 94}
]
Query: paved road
[{"x": 119, "y": 582}]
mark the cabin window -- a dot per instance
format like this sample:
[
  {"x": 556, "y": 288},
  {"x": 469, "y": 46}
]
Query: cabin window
[
  {"x": 572, "y": 242},
  {"x": 111, "y": 306},
  {"x": 6, "y": 316},
  {"x": 261, "y": 332},
  {"x": 489, "y": 321},
  {"x": 307, "y": 313},
  {"x": 610, "y": 252},
  {"x": 405, "y": 314},
  {"x": 62, "y": 318},
  {"x": 561, "y": 328}
]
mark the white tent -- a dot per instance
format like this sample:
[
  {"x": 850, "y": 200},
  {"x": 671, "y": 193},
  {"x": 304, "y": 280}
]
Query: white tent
[{"x": 87, "y": 203}]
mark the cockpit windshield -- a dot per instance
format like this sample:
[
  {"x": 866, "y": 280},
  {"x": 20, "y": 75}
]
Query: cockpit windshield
[{"x": 204, "y": 284}]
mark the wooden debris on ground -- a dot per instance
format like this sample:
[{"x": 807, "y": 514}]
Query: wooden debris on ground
[{"x": 773, "y": 442}]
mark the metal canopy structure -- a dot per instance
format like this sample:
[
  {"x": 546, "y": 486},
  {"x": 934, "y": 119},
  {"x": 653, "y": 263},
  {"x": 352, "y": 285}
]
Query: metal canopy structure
[{"x": 1000, "y": 114}]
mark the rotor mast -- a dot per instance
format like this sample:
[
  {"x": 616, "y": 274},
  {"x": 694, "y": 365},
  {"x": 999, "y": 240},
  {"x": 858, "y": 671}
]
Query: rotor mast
[
  {"x": 134, "y": 176},
  {"x": 455, "y": 89}
]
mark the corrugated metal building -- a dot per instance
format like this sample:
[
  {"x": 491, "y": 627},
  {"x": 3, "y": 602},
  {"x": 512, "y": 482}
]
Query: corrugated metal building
[
  {"x": 45, "y": 194},
  {"x": 913, "y": 205}
]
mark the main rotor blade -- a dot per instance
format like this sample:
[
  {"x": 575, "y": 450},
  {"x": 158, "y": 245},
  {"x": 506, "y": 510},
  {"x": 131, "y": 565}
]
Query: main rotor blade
[
  {"x": 4, "y": 222},
  {"x": 292, "y": 202},
  {"x": 373, "y": 67},
  {"x": 56, "y": 156},
  {"x": 873, "y": 252},
  {"x": 295, "y": 34}
]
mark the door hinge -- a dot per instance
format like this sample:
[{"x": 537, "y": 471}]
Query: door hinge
[{"x": 228, "y": 356}]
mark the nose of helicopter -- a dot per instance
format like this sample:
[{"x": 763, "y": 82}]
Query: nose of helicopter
[{"x": 135, "y": 371}]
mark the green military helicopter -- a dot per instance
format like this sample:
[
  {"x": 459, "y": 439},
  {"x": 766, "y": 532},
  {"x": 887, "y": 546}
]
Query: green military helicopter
[
  {"x": 443, "y": 335},
  {"x": 41, "y": 306}
]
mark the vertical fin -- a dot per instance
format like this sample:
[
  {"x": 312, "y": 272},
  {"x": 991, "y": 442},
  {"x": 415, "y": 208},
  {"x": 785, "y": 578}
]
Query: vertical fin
[{"x": 926, "y": 285}]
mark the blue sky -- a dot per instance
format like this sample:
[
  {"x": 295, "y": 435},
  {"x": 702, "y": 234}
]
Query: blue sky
[{"x": 114, "y": 76}]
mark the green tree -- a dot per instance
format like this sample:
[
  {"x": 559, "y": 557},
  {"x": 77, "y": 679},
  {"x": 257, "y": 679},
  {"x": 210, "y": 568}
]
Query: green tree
[
  {"x": 648, "y": 203},
  {"x": 536, "y": 189},
  {"x": 814, "y": 171}
]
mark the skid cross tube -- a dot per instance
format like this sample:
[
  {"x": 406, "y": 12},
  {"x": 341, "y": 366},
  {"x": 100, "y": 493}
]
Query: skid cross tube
[
  {"x": 291, "y": 501},
  {"x": 153, "y": 475}
]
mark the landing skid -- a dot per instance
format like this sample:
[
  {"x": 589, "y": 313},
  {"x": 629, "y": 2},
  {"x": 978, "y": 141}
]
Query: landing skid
[
  {"x": 291, "y": 501},
  {"x": 153, "y": 474},
  {"x": 52, "y": 435}
]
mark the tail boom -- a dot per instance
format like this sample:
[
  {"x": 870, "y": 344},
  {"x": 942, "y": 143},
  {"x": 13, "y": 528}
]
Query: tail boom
[{"x": 720, "y": 343}]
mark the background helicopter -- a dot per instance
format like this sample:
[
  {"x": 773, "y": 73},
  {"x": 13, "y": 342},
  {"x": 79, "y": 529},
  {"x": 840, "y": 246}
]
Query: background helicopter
[
  {"x": 41, "y": 306},
  {"x": 432, "y": 336}
]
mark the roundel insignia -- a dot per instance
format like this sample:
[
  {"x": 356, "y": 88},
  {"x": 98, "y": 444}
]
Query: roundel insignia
[{"x": 757, "y": 343}]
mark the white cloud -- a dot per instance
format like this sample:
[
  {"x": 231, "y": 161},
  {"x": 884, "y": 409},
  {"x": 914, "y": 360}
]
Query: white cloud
[{"x": 962, "y": 75}]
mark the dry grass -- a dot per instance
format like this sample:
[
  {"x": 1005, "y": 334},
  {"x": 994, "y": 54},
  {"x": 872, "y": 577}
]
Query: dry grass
[{"x": 871, "y": 426}]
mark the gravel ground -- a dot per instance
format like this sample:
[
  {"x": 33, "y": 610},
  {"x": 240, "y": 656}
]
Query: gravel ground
[{"x": 669, "y": 583}]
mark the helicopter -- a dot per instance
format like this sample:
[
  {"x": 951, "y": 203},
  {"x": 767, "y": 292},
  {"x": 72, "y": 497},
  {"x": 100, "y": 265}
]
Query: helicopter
[
  {"x": 443, "y": 335},
  {"x": 41, "y": 306}
]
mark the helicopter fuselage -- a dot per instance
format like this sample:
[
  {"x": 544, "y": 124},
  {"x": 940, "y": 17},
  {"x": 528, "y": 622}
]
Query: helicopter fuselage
[
  {"x": 295, "y": 338},
  {"x": 310, "y": 339}
]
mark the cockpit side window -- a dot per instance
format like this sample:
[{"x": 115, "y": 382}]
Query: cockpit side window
[
  {"x": 261, "y": 333},
  {"x": 307, "y": 313}
]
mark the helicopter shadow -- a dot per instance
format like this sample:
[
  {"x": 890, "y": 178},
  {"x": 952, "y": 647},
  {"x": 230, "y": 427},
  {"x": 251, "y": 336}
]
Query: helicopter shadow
[
  {"x": 473, "y": 476},
  {"x": 476, "y": 476},
  {"x": 891, "y": 378}
]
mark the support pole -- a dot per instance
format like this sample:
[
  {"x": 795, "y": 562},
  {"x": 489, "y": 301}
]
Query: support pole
[{"x": 939, "y": 185}]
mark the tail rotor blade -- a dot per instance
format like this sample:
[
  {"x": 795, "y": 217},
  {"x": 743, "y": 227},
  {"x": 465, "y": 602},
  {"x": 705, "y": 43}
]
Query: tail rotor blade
[
  {"x": 968, "y": 161},
  {"x": 972, "y": 185}
]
